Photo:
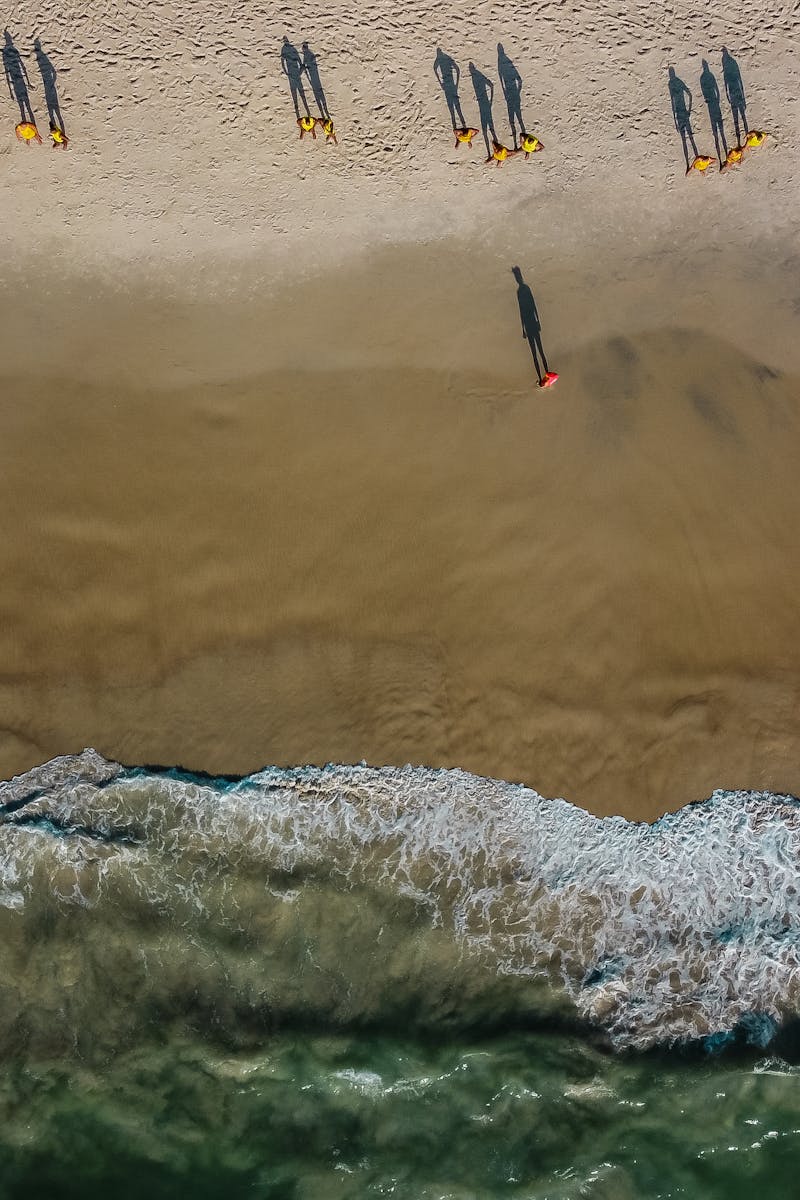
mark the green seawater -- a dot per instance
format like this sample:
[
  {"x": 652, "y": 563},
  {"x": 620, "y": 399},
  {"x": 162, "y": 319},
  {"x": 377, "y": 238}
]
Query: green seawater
[{"x": 308, "y": 1117}]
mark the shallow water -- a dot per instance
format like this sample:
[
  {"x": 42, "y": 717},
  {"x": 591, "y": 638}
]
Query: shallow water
[{"x": 351, "y": 982}]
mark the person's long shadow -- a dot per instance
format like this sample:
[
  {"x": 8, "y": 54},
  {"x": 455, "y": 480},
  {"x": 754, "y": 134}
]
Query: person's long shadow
[
  {"x": 17, "y": 79},
  {"x": 292, "y": 67},
  {"x": 311, "y": 69},
  {"x": 734, "y": 90},
  {"x": 448, "y": 74},
  {"x": 49, "y": 75},
  {"x": 484, "y": 94},
  {"x": 511, "y": 83},
  {"x": 710, "y": 90},
  {"x": 681, "y": 101},
  {"x": 531, "y": 324}
]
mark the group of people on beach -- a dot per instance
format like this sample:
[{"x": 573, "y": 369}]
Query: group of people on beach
[
  {"x": 295, "y": 66},
  {"x": 20, "y": 87},
  {"x": 681, "y": 99},
  {"x": 448, "y": 74}
]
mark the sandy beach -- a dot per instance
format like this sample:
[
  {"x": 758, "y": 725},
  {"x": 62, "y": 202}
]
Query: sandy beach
[{"x": 278, "y": 485}]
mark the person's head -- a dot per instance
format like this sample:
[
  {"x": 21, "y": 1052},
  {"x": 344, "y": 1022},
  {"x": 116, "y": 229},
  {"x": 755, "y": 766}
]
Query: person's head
[
  {"x": 672, "y": 72},
  {"x": 705, "y": 65},
  {"x": 305, "y": 45},
  {"x": 7, "y": 36},
  {"x": 471, "y": 68},
  {"x": 285, "y": 40},
  {"x": 517, "y": 273}
]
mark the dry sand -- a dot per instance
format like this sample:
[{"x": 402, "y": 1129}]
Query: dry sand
[{"x": 276, "y": 484}]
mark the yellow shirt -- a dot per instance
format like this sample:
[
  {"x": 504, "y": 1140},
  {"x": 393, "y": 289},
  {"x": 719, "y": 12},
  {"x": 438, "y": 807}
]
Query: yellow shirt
[{"x": 27, "y": 131}]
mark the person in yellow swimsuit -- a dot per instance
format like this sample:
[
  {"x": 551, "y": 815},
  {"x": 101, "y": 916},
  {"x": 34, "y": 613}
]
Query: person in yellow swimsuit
[
  {"x": 307, "y": 125},
  {"x": 754, "y": 138},
  {"x": 530, "y": 144},
  {"x": 326, "y": 125},
  {"x": 464, "y": 137},
  {"x": 701, "y": 163},
  {"x": 58, "y": 136},
  {"x": 500, "y": 154},
  {"x": 26, "y": 131},
  {"x": 735, "y": 156}
]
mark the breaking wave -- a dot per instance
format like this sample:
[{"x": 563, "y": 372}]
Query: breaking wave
[{"x": 351, "y": 896}]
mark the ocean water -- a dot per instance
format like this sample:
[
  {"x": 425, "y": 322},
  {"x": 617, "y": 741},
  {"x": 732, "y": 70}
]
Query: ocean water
[{"x": 348, "y": 982}]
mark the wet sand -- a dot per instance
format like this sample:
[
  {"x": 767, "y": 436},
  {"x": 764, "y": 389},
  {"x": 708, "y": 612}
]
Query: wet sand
[{"x": 591, "y": 590}]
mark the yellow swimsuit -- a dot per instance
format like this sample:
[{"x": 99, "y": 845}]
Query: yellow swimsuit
[
  {"x": 465, "y": 135},
  {"x": 27, "y": 131},
  {"x": 500, "y": 153},
  {"x": 58, "y": 137},
  {"x": 306, "y": 124},
  {"x": 530, "y": 143},
  {"x": 754, "y": 138}
]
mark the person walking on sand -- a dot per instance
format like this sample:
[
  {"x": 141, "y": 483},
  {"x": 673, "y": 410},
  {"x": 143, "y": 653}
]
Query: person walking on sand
[
  {"x": 448, "y": 74},
  {"x": 17, "y": 80},
  {"x": 532, "y": 330},
  {"x": 530, "y": 144},
  {"x": 734, "y": 90},
  {"x": 27, "y": 132},
  {"x": 681, "y": 100},
  {"x": 464, "y": 137},
  {"x": 292, "y": 67},
  {"x": 307, "y": 125},
  {"x": 500, "y": 153},
  {"x": 327, "y": 128}
]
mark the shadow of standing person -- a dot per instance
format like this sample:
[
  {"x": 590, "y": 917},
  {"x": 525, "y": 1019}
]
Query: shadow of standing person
[
  {"x": 511, "y": 83},
  {"x": 734, "y": 90},
  {"x": 17, "y": 79},
  {"x": 682, "y": 112},
  {"x": 484, "y": 94},
  {"x": 708, "y": 86},
  {"x": 292, "y": 67},
  {"x": 49, "y": 76},
  {"x": 312, "y": 71},
  {"x": 531, "y": 325},
  {"x": 448, "y": 74}
]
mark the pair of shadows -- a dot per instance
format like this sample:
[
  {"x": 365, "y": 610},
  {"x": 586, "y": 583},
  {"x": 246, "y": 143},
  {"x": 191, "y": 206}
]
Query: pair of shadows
[
  {"x": 295, "y": 66},
  {"x": 448, "y": 75},
  {"x": 681, "y": 100},
  {"x": 16, "y": 76}
]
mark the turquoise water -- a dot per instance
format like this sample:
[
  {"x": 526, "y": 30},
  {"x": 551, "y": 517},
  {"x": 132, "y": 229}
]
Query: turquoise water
[{"x": 352, "y": 982}]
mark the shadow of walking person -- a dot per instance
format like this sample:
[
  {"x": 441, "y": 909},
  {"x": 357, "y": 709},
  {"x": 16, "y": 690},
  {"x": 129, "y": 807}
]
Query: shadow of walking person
[
  {"x": 532, "y": 329},
  {"x": 681, "y": 101},
  {"x": 447, "y": 72},
  {"x": 292, "y": 67},
  {"x": 511, "y": 83},
  {"x": 17, "y": 79},
  {"x": 734, "y": 90},
  {"x": 312, "y": 72},
  {"x": 484, "y": 94},
  {"x": 49, "y": 76},
  {"x": 710, "y": 90}
]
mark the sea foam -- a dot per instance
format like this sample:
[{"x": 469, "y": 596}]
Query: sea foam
[{"x": 333, "y": 892}]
